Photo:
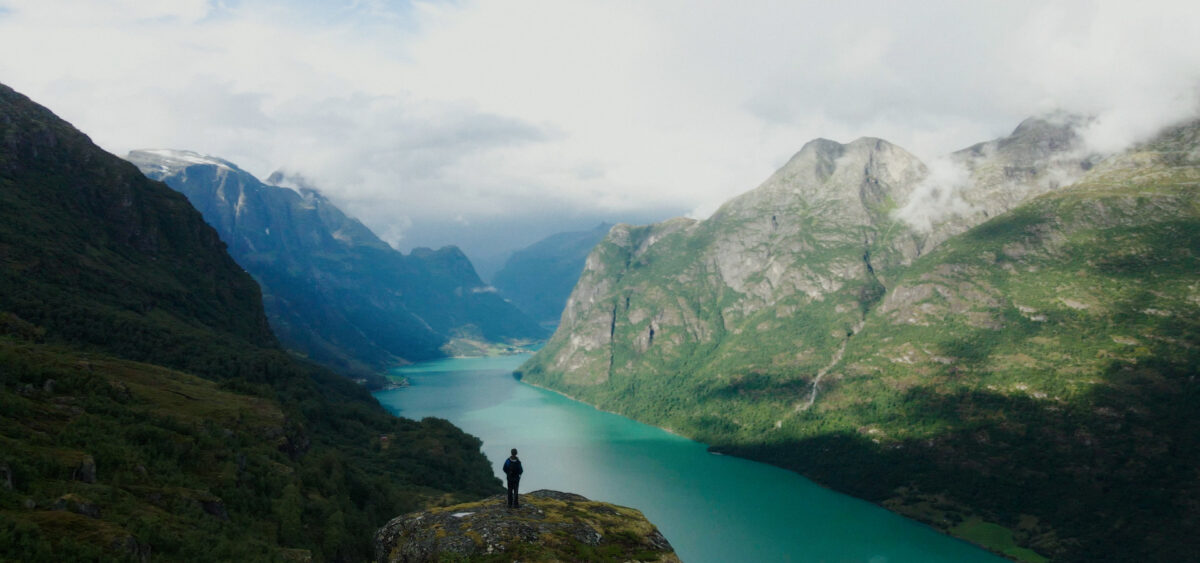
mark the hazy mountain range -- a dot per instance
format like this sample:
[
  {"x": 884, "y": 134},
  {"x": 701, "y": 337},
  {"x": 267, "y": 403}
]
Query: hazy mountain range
[
  {"x": 332, "y": 289},
  {"x": 1003, "y": 343},
  {"x": 539, "y": 278}
]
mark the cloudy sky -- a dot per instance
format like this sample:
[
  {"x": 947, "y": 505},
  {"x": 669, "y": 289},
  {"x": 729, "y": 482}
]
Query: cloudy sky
[{"x": 492, "y": 124}]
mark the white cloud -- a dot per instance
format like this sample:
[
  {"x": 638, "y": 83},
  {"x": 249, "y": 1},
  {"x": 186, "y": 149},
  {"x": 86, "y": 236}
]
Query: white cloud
[
  {"x": 108, "y": 12},
  {"x": 410, "y": 113},
  {"x": 938, "y": 196},
  {"x": 1127, "y": 64}
]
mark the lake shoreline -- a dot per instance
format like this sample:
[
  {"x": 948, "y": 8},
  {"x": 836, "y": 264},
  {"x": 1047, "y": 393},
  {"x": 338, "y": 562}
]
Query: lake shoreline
[
  {"x": 685, "y": 486},
  {"x": 716, "y": 451},
  {"x": 667, "y": 430}
]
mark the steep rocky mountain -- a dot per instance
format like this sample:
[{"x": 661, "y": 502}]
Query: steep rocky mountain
[
  {"x": 986, "y": 179},
  {"x": 805, "y": 250},
  {"x": 1024, "y": 384},
  {"x": 146, "y": 410},
  {"x": 1041, "y": 155},
  {"x": 332, "y": 289},
  {"x": 539, "y": 278}
]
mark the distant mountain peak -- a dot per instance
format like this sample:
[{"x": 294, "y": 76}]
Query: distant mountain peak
[
  {"x": 820, "y": 159},
  {"x": 832, "y": 149},
  {"x": 821, "y": 146},
  {"x": 1051, "y": 121},
  {"x": 333, "y": 289},
  {"x": 539, "y": 277},
  {"x": 855, "y": 181},
  {"x": 171, "y": 160}
]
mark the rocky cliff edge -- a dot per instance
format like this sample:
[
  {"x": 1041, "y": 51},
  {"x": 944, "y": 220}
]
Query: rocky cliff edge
[{"x": 549, "y": 526}]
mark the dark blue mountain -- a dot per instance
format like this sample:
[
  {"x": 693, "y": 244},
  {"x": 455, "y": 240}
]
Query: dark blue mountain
[
  {"x": 539, "y": 278},
  {"x": 332, "y": 289}
]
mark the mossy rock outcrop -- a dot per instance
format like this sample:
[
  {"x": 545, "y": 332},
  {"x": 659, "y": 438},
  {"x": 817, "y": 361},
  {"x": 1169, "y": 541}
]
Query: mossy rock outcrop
[{"x": 549, "y": 526}]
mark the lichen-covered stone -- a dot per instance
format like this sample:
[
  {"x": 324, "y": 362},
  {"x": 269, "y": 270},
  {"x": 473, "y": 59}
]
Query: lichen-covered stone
[{"x": 549, "y": 526}]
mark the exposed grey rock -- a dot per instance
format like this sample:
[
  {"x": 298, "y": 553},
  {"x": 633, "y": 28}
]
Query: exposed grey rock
[
  {"x": 1041, "y": 155},
  {"x": 826, "y": 236},
  {"x": 820, "y": 229}
]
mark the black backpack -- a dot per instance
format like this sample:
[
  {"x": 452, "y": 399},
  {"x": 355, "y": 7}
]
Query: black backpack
[{"x": 512, "y": 467}]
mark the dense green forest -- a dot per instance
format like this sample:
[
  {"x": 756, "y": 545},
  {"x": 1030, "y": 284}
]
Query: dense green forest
[{"x": 107, "y": 458}]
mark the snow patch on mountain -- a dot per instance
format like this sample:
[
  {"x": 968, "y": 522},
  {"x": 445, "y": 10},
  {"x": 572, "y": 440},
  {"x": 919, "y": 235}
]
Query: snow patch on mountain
[{"x": 169, "y": 160}]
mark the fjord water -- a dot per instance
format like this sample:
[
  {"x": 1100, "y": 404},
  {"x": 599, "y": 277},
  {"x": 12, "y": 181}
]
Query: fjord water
[{"x": 711, "y": 508}]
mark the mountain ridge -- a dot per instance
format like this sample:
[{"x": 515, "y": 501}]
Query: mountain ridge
[{"x": 333, "y": 290}]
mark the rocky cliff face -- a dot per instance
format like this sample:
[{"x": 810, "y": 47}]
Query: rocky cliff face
[
  {"x": 549, "y": 526},
  {"x": 332, "y": 289},
  {"x": 808, "y": 249},
  {"x": 1048, "y": 329},
  {"x": 813, "y": 248}
]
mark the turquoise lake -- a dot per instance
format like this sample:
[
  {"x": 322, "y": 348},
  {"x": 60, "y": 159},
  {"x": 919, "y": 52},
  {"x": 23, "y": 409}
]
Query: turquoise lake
[{"x": 711, "y": 508}]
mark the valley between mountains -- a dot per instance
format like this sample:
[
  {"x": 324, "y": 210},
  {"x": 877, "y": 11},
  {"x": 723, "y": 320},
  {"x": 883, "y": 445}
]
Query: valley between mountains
[{"x": 1003, "y": 344}]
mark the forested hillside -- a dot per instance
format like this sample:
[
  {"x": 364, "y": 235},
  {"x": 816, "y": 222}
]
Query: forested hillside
[{"x": 145, "y": 407}]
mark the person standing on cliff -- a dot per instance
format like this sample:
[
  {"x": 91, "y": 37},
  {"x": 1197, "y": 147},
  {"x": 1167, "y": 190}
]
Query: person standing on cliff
[{"x": 513, "y": 470}]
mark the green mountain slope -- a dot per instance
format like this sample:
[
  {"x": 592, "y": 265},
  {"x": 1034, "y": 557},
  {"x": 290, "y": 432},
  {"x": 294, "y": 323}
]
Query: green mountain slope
[
  {"x": 115, "y": 297},
  {"x": 111, "y": 459},
  {"x": 744, "y": 305},
  {"x": 1027, "y": 382},
  {"x": 332, "y": 289},
  {"x": 539, "y": 277},
  {"x": 100, "y": 255}
]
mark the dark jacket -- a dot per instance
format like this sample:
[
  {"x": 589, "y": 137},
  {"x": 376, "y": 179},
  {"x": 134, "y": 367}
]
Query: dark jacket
[{"x": 512, "y": 468}]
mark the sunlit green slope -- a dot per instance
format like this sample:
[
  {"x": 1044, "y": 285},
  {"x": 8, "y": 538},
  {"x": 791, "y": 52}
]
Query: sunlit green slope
[{"x": 1035, "y": 372}]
